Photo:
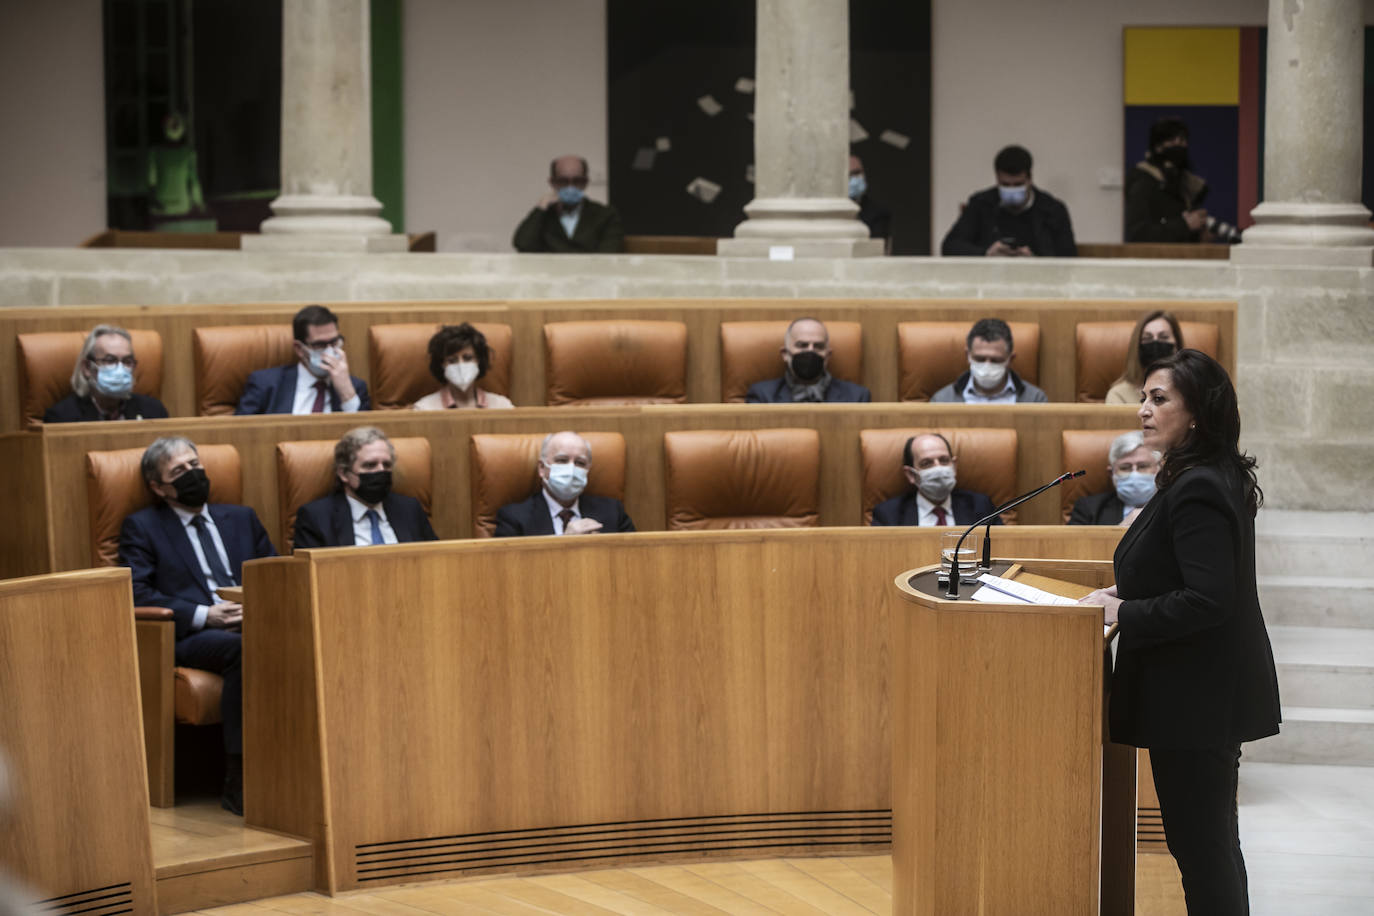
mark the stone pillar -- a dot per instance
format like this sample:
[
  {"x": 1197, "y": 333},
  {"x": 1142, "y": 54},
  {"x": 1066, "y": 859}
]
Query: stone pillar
[
  {"x": 801, "y": 136},
  {"x": 326, "y": 202},
  {"x": 1311, "y": 212}
]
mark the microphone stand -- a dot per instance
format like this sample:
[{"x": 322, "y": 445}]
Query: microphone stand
[{"x": 952, "y": 589}]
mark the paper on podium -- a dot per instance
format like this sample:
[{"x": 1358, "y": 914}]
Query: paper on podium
[{"x": 998, "y": 589}]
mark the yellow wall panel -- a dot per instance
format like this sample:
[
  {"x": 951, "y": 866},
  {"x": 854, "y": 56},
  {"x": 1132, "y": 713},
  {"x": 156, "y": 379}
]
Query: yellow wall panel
[{"x": 1177, "y": 66}]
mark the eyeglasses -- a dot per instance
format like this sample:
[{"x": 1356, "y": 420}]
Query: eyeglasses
[
  {"x": 565, "y": 182},
  {"x": 322, "y": 345},
  {"x": 109, "y": 362}
]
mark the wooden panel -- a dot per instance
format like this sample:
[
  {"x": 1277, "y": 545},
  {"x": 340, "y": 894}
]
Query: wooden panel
[
  {"x": 1038, "y": 428},
  {"x": 156, "y": 656},
  {"x": 1185, "y": 251},
  {"x": 26, "y": 545},
  {"x": 234, "y": 884},
  {"x": 70, "y": 725}
]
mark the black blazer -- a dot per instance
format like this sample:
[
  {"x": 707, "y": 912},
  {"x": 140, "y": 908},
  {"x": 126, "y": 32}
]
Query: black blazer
[
  {"x": 73, "y": 409},
  {"x": 328, "y": 522},
  {"x": 531, "y": 517},
  {"x": 598, "y": 230},
  {"x": 1105, "y": 508},
  {"x": 983, "y": 221},
  {"x": 1193, "y": 664},
  {"x": 968, "y": 507},
  {"x": 775, "y": 391},
  {"x": 274, "y": 391}
]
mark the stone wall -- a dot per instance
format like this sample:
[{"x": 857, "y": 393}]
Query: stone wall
[{"x": 1305, "y": 334}]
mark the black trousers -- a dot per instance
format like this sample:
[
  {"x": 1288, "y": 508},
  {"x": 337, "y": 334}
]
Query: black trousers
[
  {"x": 1197, "y": 801},
  {"x": 219, "y": 651}
]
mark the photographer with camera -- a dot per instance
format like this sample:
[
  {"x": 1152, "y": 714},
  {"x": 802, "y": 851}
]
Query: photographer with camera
[{"x": 1164, "y": 200}]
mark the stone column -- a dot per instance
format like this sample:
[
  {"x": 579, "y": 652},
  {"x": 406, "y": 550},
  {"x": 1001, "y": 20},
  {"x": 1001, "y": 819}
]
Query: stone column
[
  {"x": 1311, "y": 212},
  {"x": 801, "y": 136},
  {"x": 326, "y": 202}
]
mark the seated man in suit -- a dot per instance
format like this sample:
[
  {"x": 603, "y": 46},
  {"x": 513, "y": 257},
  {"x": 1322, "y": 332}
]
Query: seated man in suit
[
  {"x": 179, "y": 551},
  {"x": 1133, "y": 466},
  {"x": 362, "y": 509},
  {"x": 932, "y": 500},
  {"x": 103, "y": 382},
  {"x": 560, "y": 506},
  {"x": 564, "y": 220},
  {"x": 989, "y": 379},
  {"x": 317, "y": 382},
  {"x": 806, "y": 376}
]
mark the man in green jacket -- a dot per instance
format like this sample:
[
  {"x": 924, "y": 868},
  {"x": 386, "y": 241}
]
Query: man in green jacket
[{"x": 565, "y": 221}]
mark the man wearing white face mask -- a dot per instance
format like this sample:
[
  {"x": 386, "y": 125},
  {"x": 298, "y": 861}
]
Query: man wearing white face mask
[
  {"x": 317, "y": 382},
  {"x": 561, "y": 506},
  {"x": 989, "y": 379},
  {"x": 929, "y": 466},
  {"x": 103, "y": 383},
  {"x": 458, "y": 358},
  {"x": 1013, "y": 219},
  {"x": 1133, "y": 466}
]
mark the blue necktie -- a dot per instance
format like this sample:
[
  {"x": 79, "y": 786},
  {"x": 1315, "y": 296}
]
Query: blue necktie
[
  {"x": 376, "y": 522},
  {"x": 207, "y": 544}
]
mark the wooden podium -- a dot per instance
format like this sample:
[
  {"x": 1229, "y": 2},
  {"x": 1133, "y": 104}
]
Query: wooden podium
[{"x": 1005, "y": 798}]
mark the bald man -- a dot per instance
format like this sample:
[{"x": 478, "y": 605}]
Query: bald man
[
  {"x": 564, "y": 220},
  {"x": 560, "y": 506},
  {"x": 928, "y": 464},
  {"x": 806, "y": 371}
]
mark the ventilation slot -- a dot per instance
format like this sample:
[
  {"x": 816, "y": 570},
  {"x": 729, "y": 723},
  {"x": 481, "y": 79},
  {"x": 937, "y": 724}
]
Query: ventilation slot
[{"x": 102, "y": 901}]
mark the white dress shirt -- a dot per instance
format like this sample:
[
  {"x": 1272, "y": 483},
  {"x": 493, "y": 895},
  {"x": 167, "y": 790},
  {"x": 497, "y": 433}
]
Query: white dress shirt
[
  {"x": 203, "y": 610},
  {"x": 362, "y": 527},
  {"x": 556, "y": 507},
  {"x": 925, "y": 510},
  {"x": 569, "y": 219},
  {"x": 306, "y": 391},
  {"x": 1006, "y": 396}
]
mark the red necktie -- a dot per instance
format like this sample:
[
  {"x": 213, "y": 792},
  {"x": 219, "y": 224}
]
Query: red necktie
[
  {"x": 567, "y": 516},
  {"x": 320, "y": 389},
  {"x": 940, "y": 515}
]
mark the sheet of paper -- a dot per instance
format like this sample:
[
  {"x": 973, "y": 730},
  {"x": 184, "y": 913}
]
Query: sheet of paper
[
  {"x": 744, "y": 84},
  {"x": 857, "y": 134},
  {"x": 892, "y": 138},
  {"x": 708, "y": 104},
  {"x": 644, "y": 159},
  {"x": 663, "y": 144},
  {"x": 780, "y": 252},
  {"x": 703, "y": 189},
  {"x": 1002, "y": 589}
]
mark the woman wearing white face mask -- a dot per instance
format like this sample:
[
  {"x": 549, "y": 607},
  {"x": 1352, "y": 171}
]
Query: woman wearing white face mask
[
  {"x": 458, "y": 357},
  {"x": 1133, "y": 466}
]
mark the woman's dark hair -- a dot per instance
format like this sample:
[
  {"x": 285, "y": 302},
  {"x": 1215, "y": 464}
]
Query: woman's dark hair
[
  {"x": 1213, "y": 440},
  {"x": 452, "y": 339}
]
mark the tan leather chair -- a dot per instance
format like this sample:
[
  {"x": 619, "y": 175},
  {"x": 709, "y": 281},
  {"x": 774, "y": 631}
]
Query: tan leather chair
[
  {"x": 305, "y": 472},
  {"x": 985, "y": 462},
  {"x": 505, "y": 470},
  {"x": 742, "y": 478},
  {"x": 1086, "y": 449},
  {"x": 602, "y": 363},
  {"x": 46, "y": 360},
  {"x": 226, "y": 356},
  {"x": 749, "y": 354},
  {"x": 170, "y": 694},
  {"x": 400, "y": 362},
  {"x": 931, "y": 355},
  {"x": 1101, "y": 346}
]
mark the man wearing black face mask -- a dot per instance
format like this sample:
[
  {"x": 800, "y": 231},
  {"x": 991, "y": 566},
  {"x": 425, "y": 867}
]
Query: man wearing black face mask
[
  {"x": 179, "y": 552},
  {"x": 806, "y": 376},
  {"x": 362, "y": 510},
  {"x": 1163, "y": 198}
]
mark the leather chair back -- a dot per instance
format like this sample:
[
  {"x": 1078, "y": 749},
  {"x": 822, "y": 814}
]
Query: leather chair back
[
  {"x": 1101, "y": 348},
  {"x": 741, "y": 478},
  {"x": 749, "y": 354},
  {"x": 115, "y": 490},
  {"x": 985, "y": 462},
  {"x": 400, "y": 362},
  {"x": 601, "y": 363},
  {"x": 226, "y": 356},
  {"x": 305, "y": 472},
  {"x": 931, "y": 355},
  {"x": 46, "y": 360},
  {"x": 1086, "y": 449},
  {"x": 505, "y": 470}
]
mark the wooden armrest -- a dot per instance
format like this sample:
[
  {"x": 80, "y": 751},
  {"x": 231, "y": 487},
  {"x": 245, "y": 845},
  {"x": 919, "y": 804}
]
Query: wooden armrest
[
  {"x": 231, "y": 593},
  {"x": 153, "y": 613}
]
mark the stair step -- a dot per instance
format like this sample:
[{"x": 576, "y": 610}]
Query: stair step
[
  {"x": 1324, "y": 666},
  {"x": 1291, "y": 543},
  {"x": 1330, "y": 601},
  {"x": 1325, "y": 735}
]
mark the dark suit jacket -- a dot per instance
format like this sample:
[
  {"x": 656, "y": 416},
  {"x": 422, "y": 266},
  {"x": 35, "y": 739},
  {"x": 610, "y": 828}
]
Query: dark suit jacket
[
  {"x": 154, "y": 545},
  {"x": 1105, "y": 508},
  {"x": 328, "y": 522},
  {"x": 598, "y": 230},
  {"x": 775, "y": 391},
  {"x": 1193, "y": 665},
  {"x": 901, "y": 510},
  {"x": 73, "y": 409},
  {"x": 274, "y": 391},
  {"x": 984, "y": 221},
  {"x": 531, "y": 517}
]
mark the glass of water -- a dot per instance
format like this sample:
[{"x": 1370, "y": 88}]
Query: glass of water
[{"x": 969, "y": 555}]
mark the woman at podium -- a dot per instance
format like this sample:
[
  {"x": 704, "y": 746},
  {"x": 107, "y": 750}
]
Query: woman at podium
[{"x": 1194, "y": 674}]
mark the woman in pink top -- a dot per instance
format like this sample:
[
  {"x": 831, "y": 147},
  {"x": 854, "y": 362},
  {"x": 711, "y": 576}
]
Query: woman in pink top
[{"x": 458, "y": 357}]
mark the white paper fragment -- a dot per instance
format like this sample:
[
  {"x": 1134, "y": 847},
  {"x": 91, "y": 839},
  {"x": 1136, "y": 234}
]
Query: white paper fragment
[
  {"x": 644, "y": 159},
  {"x": 893, "y": 138},
  {"x": 703, "y": 189},
  {"x": 857, "y": 134},
  {"x": 744, "y": 84},
  {"x": 749, "y": 173},
  {"x": 780, "y": 252},
  {"x": 708, "y": 104},
  {"x": 663, "y": 144}
]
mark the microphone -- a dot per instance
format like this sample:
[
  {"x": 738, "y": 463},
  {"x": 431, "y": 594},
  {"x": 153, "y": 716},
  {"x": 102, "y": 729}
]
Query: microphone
[{"x": 952, "y": 589}]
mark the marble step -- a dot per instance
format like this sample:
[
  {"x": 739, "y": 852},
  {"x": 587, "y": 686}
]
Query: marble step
[
  {"x": 1314, "y": 734},
  {"x": 1314, "y": 544},
  {"x": 1324, "y": 666},
  {"x": 1317, "y": 601}
]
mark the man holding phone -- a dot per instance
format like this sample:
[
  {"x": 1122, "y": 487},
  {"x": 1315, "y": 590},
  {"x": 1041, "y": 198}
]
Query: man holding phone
[{"x": 1012, "y": 219}]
